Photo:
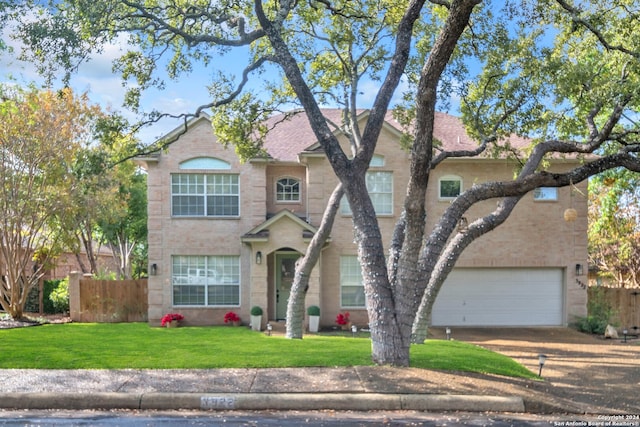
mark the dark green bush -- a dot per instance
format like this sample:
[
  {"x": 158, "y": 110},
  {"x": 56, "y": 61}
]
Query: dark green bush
[
  {"x": 599, "y": 314},
  {"x": 33, "y": 300},
  {"x": 59, "y": 297}
]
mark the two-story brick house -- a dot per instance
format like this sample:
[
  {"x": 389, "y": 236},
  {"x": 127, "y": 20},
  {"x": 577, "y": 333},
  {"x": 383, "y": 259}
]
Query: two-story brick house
[{"x": 224, "y": 235}]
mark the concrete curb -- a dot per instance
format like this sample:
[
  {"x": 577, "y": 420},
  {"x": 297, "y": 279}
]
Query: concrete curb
[{"x": 262, "y": 401}]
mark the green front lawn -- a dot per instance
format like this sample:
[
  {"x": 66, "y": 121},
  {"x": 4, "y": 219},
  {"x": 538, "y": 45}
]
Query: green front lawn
[{"x": 138, "y": 346}]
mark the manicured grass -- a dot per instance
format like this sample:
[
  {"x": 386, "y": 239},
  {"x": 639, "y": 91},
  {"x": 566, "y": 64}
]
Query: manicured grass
[{"x": 138, "y": 346}]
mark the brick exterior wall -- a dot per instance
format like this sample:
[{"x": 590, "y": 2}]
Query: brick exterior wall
[{"x": 534, "y": 236}]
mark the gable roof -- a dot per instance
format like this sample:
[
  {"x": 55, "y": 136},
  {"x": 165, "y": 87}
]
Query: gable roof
[
  {"x": 260, "y": 233},
  {"x": 290, "y": 134}
]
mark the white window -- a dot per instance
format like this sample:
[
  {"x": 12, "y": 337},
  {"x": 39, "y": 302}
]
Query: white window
[
  {"x": 380, "y": 188},
  {"x": 351, "y": 287},
  {"x": 376, "y": 161},
  {"x": 545, "y": 194},
  {"x": 449, "y": 187},
  {"x": 206, "y": 280},
  {"x": 205, "y": 195},
  {"x": 288, "y": 190}
]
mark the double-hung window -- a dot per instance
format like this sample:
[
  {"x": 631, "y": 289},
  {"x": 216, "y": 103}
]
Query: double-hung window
[
  {"x": 206, "y": 280},
  {"x": 379, "y": 186},
  {"x": 212, "y": 195},
  {"x": 351, "y": 286}
]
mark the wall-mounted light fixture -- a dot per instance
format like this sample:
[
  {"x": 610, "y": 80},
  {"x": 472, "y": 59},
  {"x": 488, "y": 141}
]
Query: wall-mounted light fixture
[
  {"x": 463, "y": 224},
  {"x": 579, "y": 270},
  {"x": 258, "y": 257},
  {"x": 154, "y": 269}
]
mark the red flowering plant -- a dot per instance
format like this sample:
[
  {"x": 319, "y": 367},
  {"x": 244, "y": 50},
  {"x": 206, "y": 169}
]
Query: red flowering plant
[
  {"x": 231, "y": 317},
  {"x": 342, "y": 319},
  {"x": 171, "y": 317}
]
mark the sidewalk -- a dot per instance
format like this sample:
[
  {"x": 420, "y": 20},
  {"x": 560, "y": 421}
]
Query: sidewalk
[
  {"x": 361, "y": 388},
  {"x": 357, "y": 388}
]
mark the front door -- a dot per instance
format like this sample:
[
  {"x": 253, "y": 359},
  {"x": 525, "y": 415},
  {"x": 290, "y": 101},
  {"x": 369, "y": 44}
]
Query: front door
[{"x": 284, "y": 272}]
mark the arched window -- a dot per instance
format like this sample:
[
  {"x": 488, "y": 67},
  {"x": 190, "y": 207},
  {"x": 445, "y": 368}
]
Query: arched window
[
  {"x": 209, "y": 163},
  {"x": 288, "y": 190}
]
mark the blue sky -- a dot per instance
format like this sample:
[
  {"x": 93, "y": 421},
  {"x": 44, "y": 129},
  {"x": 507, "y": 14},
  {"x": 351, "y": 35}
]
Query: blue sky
[{"x": 105, "y": 87}]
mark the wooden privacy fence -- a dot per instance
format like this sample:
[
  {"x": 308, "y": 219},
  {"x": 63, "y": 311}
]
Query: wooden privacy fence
[
  {"x": 624, "y": 302},
  {"x": 107, "y": 301}
]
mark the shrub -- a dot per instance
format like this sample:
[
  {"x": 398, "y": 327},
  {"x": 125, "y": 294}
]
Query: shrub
[
  {"x": 59, "y": 297},
  {"x": 313, "y": 310},
  {"x": 231, "y": 317},
  {"x": 256, "y": 311},
  {"x": 599, "y": 314},
  {"x": 342, "y": 319},
  {"x": 171, "y": 317}
]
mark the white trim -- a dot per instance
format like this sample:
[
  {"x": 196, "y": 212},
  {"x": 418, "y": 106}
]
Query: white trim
[{"x": 298, "y": 180}]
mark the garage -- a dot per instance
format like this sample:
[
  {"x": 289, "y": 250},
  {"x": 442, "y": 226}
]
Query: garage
[{"x": 501, "y": 297}]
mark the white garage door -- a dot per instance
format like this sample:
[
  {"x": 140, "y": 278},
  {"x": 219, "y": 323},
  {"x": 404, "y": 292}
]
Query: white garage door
[{"x": 500, "y": 297}]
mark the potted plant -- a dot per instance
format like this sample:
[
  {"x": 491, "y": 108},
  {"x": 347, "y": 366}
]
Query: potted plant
[
  {"x": 171, "y": 320},
  {"x": 233, "y": 318},
  {"x": 256, "y": 318},
  {"x": 314, "y": 318}
]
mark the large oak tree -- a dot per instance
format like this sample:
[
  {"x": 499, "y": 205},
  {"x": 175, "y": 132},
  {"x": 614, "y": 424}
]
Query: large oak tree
[{"x": 564, "y": 75}]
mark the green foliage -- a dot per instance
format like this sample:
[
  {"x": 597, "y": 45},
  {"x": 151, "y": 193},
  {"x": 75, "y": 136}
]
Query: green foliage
[
  {"x": 137, "y": 346},
  {"x": 49, "y": 306},
  {"x": 313, "y": 310},
  {"x": 256, "y": 311},
  {"x": 59, "y": 296},
  {"x": 614, "y": 227},
  {"x": 599, "y": 314},
  {"x": 41, "y": 135},
  {"x": 105, "y": 275}
]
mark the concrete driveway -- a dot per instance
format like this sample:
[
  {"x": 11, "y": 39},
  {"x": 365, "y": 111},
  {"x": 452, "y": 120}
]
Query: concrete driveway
[{"x": 602, "y": 375}]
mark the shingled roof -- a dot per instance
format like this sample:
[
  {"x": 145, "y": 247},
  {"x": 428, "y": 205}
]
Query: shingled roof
[{"x": 290, "y": 134}]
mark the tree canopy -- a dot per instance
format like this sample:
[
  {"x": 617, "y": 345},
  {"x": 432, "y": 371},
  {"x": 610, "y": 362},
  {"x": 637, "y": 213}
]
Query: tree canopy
[{"x": 614, "y": 228}]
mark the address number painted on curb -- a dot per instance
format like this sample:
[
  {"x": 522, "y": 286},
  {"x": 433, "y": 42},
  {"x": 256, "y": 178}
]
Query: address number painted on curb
[{"x": 217, "y": 402}]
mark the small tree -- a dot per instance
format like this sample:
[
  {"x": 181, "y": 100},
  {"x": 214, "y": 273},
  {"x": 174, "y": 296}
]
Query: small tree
[
  {"x": 614, "y": 228},
  {"x": 40, "y": 132}
]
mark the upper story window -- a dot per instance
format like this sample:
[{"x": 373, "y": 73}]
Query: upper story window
[
  {"x": 380, "y": 188},
  {"x": 547, "y": 194},
  {"x": 288, "y": 190},
  {"x": 449, "y": 187},
  {"x": 376, "y": 161},
  {"x": 209, "y": 195},
  {"x": 209, "y": 163}
]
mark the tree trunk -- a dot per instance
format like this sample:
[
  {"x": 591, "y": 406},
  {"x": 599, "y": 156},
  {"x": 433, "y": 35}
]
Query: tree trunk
[{"x": 304, "y": 266}]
